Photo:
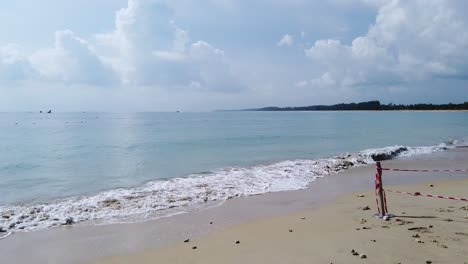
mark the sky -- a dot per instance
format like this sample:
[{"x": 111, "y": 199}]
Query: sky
[{"x": 168, "y": 55}]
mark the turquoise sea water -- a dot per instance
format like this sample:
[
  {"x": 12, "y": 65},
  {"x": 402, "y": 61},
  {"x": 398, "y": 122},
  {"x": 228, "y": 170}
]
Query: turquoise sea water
[{"x": 48, "y": 156}]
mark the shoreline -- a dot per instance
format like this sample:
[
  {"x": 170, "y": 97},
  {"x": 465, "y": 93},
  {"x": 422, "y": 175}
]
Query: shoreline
[
  {"x": 161, "y": 198},
  {"x": 423, "y": 229},
  {"x": 69, "y": 244}
]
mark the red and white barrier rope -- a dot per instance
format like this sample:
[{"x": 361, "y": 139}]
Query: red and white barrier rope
[
  {"x": 431, "y": 195},
  {"x": 390, "y": 169}
]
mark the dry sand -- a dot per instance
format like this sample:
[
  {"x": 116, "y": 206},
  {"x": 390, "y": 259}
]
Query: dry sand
[{"x": 329, "y": 234}]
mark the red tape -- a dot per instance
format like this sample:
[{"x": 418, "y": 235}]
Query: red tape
[
  {"x": 390, "y": 169},
  {"x": 431, "y": 195}
]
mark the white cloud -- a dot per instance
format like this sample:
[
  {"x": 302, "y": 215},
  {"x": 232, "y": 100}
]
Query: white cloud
[
  {"x": 301, "y": 83},
  {"x": 148, "y": 48},
  {"x": 14, "y": 66},
  {"x": 286, "y": 40},
  {"x": 409, "y": 41},
  {"x": 169, "y": 56},
  {"x": 71, "y": 60}
]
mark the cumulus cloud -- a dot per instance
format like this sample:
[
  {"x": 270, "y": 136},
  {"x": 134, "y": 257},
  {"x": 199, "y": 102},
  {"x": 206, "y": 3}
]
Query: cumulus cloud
[
  {"x": 148, "y": 48},
  {"x": 14, "y": 66},
  {"x": 409, "y": 41},
  {"x": 71, "y": 60},
  {"x": 286, "y": 40}
]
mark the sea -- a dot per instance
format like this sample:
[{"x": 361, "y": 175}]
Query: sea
[{"x": 66, "y": 168}]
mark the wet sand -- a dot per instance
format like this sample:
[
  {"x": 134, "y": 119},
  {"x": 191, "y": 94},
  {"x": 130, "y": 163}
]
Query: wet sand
[{"x": 86, "y": 243}]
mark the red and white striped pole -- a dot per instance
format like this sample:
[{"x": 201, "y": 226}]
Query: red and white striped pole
[{"x": 380, "y": 193}]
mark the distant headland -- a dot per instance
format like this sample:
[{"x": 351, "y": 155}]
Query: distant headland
[{"x": 368, "y": 106}]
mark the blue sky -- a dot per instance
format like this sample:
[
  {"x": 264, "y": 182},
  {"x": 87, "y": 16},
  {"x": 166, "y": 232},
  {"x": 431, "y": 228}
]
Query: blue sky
[{"x": 161, "y": 55}]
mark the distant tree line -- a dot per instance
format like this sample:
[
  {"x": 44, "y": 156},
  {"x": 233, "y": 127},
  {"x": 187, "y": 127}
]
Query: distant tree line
[{"x": 370, "y": 106}]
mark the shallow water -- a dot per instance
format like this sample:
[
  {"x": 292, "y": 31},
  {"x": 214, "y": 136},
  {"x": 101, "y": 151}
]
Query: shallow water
[{"x": 46, "y": 156}]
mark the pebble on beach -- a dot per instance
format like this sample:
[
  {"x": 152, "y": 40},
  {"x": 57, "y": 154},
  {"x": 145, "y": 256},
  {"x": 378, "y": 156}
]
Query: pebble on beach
[
  {"x": 187, "y": 240},
  {"x": 69, "y": 221},
  {"x": 365, "y": 208}
]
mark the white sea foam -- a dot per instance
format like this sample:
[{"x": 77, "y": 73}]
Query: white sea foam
[
  {"x": 220, "y": 185},
  {"x": 7, "y": 234}
]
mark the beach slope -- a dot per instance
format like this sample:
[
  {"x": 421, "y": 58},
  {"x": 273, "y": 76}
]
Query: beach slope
[{"x": 425, "y": 230}]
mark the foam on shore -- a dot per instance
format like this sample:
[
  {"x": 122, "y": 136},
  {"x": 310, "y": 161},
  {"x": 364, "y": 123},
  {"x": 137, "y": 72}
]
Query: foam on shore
[{"x": 141, "y": 202}]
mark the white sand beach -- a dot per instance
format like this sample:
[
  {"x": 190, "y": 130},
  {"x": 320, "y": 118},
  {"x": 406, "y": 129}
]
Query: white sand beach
[{"x": 425, "y": 230}]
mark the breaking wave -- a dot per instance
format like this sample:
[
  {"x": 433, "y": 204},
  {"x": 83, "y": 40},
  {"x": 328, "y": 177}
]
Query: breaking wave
[{"x": 218, "y": 185}]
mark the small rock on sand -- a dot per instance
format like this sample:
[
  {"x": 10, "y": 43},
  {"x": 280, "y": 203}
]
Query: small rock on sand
[
  {"x": 365, "y": 208},
  {"x": 363, "y": 256},
  {"x": 237, "y": 242},
  {"x": 361, "y": 195},
  {"x": 187, "y": 240},
  {"x": 431, "y": 185},
  {"x": 194, "y": 247}
]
